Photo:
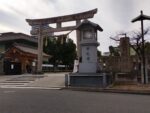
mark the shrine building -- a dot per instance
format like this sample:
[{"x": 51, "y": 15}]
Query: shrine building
[{"x": 18, "y": 53}]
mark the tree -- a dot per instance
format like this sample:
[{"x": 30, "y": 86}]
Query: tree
[
  {"x": 113, "y": 51},
  {"x": 62, "y": 53},
  {"x": 147, "y": 48},
  {"x": 136, "y": 42},
  {"x": 69, "y": 53},
  {"x": 99, "y": 54},
  {"x": 50, "y": 49}
]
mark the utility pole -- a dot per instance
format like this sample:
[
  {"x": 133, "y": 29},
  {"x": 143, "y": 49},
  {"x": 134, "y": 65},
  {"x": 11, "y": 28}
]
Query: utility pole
[{"x": 142, "y": 17}]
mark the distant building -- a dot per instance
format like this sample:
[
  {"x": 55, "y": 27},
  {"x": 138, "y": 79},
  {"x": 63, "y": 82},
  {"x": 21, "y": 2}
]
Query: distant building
[{"x": 18, "y": 50}]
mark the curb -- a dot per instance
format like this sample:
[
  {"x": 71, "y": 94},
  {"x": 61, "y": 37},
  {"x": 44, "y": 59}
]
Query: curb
[
  {"x": 87, "y": 89},
  {"x": 106, "y": 90},
  {"x": 31, "y": 87}
]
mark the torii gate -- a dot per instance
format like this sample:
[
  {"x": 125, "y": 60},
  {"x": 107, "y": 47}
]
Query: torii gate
[{"x": 40, "y": 28}]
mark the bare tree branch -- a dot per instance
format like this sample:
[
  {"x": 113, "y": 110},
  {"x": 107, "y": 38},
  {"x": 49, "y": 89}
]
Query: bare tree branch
[
  {"x": 135, "y": 40},
  {"x": 114, "y": 39}
]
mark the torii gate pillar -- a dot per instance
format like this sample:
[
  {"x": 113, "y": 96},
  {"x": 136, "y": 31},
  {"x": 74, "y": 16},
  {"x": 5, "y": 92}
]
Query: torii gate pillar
[{"x": 40, "y": 52}]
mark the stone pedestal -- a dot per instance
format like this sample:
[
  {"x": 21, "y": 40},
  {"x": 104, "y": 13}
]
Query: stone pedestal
[{"x": 88, "y": 80}]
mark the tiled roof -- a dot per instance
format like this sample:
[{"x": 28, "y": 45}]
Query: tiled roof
[
  {"x": 91, "y": 23},
  {"x": 13, "y": 36},
  {"x": 28, "y": 49}
]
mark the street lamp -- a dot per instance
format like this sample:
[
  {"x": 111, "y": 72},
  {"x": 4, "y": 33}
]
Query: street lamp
[{"x": 142, "y": 17}]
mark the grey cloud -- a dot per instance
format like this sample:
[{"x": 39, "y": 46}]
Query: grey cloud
[
  {"x": 122, "y": 10},
  {"x": 49, "y": 1},
  {"x": 11, "y": 20},
  {"x": 113, "y": 15},
  {"x": 17, "y": 11}
]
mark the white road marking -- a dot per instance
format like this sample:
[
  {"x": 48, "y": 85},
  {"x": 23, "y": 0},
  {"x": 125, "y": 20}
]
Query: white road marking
[{"x": 54, "y": 88}]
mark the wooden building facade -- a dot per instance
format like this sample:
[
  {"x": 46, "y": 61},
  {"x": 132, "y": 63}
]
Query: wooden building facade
[{"x": 18, "y": 48}]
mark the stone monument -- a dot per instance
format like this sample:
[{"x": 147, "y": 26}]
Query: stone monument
[
  {"x": 88, "y": 62},
  {"x": 88, "y": 45}
]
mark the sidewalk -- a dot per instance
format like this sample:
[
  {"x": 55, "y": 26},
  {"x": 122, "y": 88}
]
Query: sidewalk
[
  {"x": 57, "y": 81},
  {"x": 51, "y": 80},
  {"x": 47, "y": 80},
  {"x": 128, "y": 89},
  {"x": 139, "y": 88}
]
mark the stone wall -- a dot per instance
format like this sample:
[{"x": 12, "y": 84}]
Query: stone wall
[
  {"x": 118, "y": 64},
  {"x": 123, "y": 63}
]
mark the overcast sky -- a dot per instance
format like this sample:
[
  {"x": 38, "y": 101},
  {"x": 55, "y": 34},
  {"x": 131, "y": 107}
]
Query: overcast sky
[{"x": 113, "y": 15}]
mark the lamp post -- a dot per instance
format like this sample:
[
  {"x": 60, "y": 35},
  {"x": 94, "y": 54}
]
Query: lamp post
[{"x": 142, "y": 17}]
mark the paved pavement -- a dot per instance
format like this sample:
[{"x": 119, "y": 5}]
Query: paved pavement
[
  {"x": 65, "y": 101},
  {"x": 54, "y": 80},
  {"x": 47, "y": 80},
  {"x": 57, "y": 81}
]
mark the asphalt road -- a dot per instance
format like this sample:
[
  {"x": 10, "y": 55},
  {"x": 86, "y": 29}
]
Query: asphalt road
[{"x": 64, "y": 101}]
